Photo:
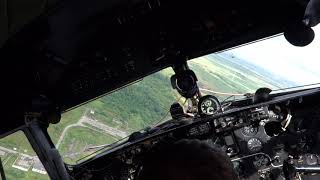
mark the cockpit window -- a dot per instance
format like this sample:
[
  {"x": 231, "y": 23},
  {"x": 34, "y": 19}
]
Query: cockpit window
[
  {"x": 108, "y": 119},
  {"x": 272, "y": 63},
  {"x": 19, "y": 160}
]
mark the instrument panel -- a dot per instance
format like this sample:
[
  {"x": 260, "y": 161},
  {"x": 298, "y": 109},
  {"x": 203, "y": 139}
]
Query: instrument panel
[{"x": 259, "y": 139}]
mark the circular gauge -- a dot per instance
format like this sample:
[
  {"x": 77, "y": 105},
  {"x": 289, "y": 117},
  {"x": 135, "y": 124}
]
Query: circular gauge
[
  {"x": 254, "y": 145},
  {"x": 249, "y": 131},
  {"x": 311, "y": 159},
  {"x": 208, "y": 105},
  {"x": 260, "y": 161}
]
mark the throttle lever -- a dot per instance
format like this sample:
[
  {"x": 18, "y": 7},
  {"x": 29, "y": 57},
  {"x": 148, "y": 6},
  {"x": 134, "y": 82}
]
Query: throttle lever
[{"x": 290, "y": 170}]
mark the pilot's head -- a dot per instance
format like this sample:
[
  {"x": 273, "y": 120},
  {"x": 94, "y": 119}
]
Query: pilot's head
[{"x": 187, "y": 160}]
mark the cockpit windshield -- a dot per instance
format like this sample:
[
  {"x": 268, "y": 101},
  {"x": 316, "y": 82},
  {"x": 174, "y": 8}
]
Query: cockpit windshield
[{"x": 272, "y": 63}]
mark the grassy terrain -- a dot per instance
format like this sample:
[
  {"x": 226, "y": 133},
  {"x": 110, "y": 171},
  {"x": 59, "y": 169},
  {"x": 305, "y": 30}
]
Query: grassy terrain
[
  {"x": 213, "y": 74},
  {"x": 136, "y": 106},
  {"x": 76, "y": 141},
  {"x": 67, "y": 118},
  {"x": 19, "y": 141}
]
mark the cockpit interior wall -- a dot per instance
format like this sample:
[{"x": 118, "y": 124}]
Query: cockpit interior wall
[{"x": 14, "y": 14}]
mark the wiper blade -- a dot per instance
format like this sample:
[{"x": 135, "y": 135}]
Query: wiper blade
[
  {"x": 103, "y": 147},
  {"x": 221, "y": 93}
]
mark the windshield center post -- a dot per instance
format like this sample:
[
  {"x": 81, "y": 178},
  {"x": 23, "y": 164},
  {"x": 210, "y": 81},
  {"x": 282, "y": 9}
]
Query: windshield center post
[{"x": 37, "y": 120}]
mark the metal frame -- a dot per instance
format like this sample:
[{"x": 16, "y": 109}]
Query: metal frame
[
  {"x": 36, "y": 132},
  {"x": 3, "y": 175}
]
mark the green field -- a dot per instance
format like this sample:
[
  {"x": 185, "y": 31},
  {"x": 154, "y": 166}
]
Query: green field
[
  {"x": 137, "y": 106},
  {"x": 221, "y": 77},
  {"x": 18, "y": 141},
  {"x": 68, "y": 118},
  {"x": 78, "y": 139}
]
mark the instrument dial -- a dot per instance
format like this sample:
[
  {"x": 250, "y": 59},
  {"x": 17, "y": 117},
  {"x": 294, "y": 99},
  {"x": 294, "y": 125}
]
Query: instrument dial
[
  {"x": 311, "y": 159},
  {"x": 208, "y": 105},
  {"x": 260, "y": 161},
  {"x": 254, "y": 145},
  {"x": 249, "y": 131}
]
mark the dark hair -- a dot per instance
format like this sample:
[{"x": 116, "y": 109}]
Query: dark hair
[{"x": 187, "y": 160}]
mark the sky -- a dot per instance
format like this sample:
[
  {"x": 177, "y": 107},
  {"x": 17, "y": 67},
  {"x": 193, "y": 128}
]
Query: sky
[{"x": 298, "y": 64}]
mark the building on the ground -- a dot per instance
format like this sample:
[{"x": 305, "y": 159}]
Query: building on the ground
[
  {"x": 23, "y": 162},
  {"x": 38, "y": 167}
]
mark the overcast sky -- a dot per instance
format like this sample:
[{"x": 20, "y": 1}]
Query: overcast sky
[{"x": 298, "y": 64}]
